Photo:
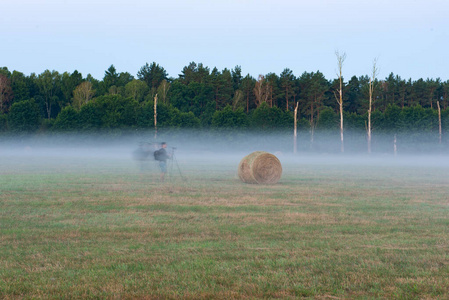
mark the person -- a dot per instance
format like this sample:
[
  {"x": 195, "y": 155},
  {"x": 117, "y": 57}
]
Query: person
[
  {"x": 163, "y": 156},
  {"x": 141, "y": 154}
]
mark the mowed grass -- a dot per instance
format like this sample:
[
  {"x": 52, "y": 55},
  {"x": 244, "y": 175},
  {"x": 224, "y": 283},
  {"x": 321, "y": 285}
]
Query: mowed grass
[{"x": 100, "y": 228}]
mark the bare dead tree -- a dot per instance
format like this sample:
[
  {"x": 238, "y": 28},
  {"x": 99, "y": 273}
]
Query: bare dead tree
[
  {"x": 439, "y": 121},
  {"x": 155, "y": 117},
  {"x": 295, "y": 147},
  {"x": 340, "y": 60},
  {"x": 371, "y": 93}
]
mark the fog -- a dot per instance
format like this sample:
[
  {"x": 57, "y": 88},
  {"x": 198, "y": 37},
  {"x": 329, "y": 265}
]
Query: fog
[{"x": 221, "y": 148}]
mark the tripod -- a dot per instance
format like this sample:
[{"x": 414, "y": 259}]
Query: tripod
[{"x": 174, "y": 161}]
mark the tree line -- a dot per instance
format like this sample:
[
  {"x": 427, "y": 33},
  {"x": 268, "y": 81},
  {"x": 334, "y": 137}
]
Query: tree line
[{"x": 201, "y": 97}]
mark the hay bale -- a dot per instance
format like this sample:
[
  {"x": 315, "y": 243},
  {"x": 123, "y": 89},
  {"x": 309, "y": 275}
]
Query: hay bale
[{"x": 260, "y": 167}]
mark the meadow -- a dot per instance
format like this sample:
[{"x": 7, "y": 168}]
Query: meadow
[{"x": 334, "y": 227}]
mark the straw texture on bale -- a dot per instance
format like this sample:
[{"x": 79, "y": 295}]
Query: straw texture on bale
[{"x": 260, "y": 167}]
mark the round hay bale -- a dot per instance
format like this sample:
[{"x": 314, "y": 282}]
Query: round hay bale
[{"x": 260, "y": 167}]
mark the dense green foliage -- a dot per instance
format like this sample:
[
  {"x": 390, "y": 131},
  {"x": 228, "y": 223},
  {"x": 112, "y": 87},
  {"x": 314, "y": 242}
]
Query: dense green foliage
[
  {"x": 229, "y": 118},
  {"x": 67, "y": 120},
  {"x": 204, "y": 98},
  {"x": 24, "y": 116}
]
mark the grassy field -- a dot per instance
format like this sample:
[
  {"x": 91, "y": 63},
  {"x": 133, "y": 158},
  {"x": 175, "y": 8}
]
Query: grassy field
[{"x": 100, "y": 228}]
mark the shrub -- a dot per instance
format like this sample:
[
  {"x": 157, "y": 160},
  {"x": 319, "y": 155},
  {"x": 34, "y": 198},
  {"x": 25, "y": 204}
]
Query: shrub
[
  {"x": 24, "y": 116},
  {"x": 228, "y": 118},
  {"x": 67, "y": 120}
]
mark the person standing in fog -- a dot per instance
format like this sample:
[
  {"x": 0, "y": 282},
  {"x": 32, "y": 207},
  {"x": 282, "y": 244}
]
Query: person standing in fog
[{"x": 162, "y": 157}]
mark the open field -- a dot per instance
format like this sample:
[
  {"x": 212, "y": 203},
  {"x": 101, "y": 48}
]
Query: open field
[{"x": 333, "y": 228}]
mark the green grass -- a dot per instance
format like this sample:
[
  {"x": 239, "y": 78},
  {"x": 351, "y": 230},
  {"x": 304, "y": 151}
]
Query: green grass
[{"x": 102, "y": 229}]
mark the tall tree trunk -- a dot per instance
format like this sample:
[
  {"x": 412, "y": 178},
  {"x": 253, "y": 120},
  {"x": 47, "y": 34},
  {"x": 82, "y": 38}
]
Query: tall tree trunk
[
  {"x": 371, "y": 93},
  {"x": 369, "y": 130},
  {"x": 295, "y": 146},
  {"x": 340, "y": 60},
  {"x": 341, "y": 122},
  {"x": 439, "y": 121},
  {"x": 155, "y": 117}
]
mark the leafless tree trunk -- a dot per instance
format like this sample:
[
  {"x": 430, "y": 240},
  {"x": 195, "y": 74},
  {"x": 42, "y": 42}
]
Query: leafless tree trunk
[
  {"x": 340, "y": 61},
  {"x": 439, "y": 121},
  {"x": 155, "y": 117},
  {"x": 371, "y": 92},
  {"x": 294, "y": 130}
]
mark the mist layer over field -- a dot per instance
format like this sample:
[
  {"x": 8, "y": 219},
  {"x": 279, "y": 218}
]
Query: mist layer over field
[{"x": 227, "y": 148}]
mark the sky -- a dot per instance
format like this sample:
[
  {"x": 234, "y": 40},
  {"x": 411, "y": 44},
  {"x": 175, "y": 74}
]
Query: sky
[{"x": 409, "y": 38}]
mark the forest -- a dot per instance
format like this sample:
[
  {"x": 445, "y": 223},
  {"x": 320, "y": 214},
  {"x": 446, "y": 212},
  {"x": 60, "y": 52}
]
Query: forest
[{"x": 212, "y": 99}]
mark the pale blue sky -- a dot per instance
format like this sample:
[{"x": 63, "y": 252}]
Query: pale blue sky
[{"x": 409, "y": 38}]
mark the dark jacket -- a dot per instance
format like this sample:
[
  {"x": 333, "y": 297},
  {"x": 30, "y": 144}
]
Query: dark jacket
[{"x": 162, "y": 155}]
